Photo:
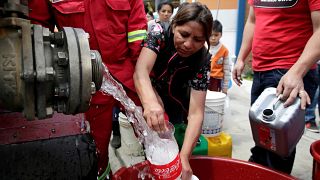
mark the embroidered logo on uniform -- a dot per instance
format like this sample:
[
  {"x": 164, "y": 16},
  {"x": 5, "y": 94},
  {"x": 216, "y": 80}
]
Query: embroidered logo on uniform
[{"x": 275, "y": 3}]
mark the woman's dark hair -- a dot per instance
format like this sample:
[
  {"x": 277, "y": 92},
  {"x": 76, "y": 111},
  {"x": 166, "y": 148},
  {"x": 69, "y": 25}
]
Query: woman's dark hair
[
  {"x": 145, "y": 7},
  {"x": 151, "y": 14},
  {"x": 164, "y": 3},
  {"x": 217, "y": 26},
  {"x": 194, "y": 12}
]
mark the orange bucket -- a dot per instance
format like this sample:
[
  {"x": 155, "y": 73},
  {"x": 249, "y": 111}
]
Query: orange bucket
[{"x": 315, "y": 152}]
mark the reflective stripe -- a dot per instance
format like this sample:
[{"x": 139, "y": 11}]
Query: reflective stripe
[
  {"x": 55, "y": 1},
  {"x": 105, "y": 173},
  {"x": 136, "y": 35}
]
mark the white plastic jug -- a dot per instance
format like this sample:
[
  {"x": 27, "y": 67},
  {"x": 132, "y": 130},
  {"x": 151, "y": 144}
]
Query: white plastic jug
[
  {"x": 275, "y": 127},
  {"x": 162, "y": 152}
]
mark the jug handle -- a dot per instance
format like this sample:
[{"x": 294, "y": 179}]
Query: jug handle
[{"x": 276, "y": 103}]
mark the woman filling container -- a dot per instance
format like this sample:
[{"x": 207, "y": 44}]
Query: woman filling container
[{"x": 172, "y": 74}]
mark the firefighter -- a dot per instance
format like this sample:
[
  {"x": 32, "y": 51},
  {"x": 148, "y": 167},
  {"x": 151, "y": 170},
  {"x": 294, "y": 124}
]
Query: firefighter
[{"x": 116, "y": 29}]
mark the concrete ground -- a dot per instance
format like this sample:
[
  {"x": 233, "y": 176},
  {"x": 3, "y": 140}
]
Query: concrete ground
[{"x": 236, "y": 123}]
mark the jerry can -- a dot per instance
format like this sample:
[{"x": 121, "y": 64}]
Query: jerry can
[
  {"x": 201, "y": 147},
  {"x": 275, "y": 127},
  {"x": 220, "y": 145}
]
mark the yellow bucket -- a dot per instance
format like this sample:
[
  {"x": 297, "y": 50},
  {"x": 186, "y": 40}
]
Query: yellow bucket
[{"x": 220, "y": 145}]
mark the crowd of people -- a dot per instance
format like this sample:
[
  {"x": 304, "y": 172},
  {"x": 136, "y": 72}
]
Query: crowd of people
[{"x": 166, "y": 63}]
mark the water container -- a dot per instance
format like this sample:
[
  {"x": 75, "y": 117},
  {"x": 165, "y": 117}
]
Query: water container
[
  {"x": 201, "y": 147},
  {"x": 129, "y": 143},
  {"x": 220, "y": 146},
  {"x": 214, "y": 111},
  {"x": 275, "y": 127},
  {"x": 315, "y": 152},
  {"x": 162, "y": 152}
]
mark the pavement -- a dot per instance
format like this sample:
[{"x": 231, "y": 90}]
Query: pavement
[{"x": 236, "y": 123}]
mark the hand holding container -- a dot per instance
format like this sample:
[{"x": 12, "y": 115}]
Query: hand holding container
[{"x": 275, "y": 127}]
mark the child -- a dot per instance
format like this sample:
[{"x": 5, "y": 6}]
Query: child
[{"x": 220, "y": 69}]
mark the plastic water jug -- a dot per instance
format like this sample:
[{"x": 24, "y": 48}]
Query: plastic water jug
[
  {"x": 129, "y": 143},
  {"x": 201, "y": 147},
  {"x": 220, "y": 145},
  {"x": 162, "y": 152},
  {"x": 214, "y": 112},
  {"x": 275, "y": 127}
]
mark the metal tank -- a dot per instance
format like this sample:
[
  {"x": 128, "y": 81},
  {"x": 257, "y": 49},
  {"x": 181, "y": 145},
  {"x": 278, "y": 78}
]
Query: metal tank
[
  {"x": 42, "y": 72},
  {"x": 275, "y": 127}
]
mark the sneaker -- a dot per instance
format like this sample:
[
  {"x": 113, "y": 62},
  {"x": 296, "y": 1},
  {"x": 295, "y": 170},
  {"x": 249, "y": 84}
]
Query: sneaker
[
  {"x": 312, "y": 127},
  {"x": 116, "y": 141}
]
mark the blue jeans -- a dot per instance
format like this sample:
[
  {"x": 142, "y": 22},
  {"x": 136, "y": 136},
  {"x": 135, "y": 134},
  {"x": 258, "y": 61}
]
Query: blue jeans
[
  {"x": 310, "y": 111},
  {"x": 261, "y": 81}
]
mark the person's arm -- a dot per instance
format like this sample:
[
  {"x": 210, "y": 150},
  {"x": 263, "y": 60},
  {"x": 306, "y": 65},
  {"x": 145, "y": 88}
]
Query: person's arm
[
  {"x": 291, "y": 84},
  {"x": 193, "y": 131},
  {"x": 153, "y": 109},
  {"x": 226, "y": 72},
  {"x": 245, "y": 49},
  {"x": 40, "y": 13}
]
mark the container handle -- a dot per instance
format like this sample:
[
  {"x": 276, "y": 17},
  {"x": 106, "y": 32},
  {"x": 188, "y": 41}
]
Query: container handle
[{"x": 277, "y": 102}]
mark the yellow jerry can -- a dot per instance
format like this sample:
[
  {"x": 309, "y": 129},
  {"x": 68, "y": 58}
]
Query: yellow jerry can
[{"x": 220, "y": 145}]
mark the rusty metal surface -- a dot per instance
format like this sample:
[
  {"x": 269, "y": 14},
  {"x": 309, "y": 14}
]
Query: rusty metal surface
[
  {"x": 85, "y": 69},
  {"x": 15, "y": 129},
  {"x": 74, "y": 66},
  {"x": 40, "y": 67},
  {"x": 42, "y": 72},
  {"x": 18, "y": 94},
  {"x": 97, "y": 69}
]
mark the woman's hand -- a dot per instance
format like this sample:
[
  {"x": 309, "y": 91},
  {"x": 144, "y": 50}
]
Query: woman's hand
[
  {"x": 236, "y": 73},
  {"x": 186, "y": 168},
  {"x": 154, "y": 115},
  {"x": 290, "y": 86}
]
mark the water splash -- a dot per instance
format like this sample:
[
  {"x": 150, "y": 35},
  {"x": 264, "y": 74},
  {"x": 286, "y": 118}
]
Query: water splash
[{"x": 134, "y": 113}]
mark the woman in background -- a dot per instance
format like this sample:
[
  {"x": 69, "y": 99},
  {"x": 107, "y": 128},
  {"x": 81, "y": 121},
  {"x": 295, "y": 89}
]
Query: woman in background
[{"x": 164, "y": 10}]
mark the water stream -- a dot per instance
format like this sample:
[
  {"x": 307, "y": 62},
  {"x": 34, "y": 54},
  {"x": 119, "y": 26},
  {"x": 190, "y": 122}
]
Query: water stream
[
  {"x": 134, "y": 113},
  {"x": 152, "y": 142}
]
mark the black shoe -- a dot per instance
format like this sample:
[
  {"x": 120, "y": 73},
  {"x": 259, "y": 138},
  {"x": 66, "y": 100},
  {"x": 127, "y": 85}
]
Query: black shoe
[
  {"x": 312, "y": 127},
  {"x": 116, "y": 141}
]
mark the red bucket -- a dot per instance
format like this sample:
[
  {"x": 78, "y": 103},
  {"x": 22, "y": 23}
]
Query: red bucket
[
  {"x": 211, "y": 168},
  {"x": 315, "y": 152}
]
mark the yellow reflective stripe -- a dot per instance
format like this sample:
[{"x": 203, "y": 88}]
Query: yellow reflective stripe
[{"x": 136, "y": 35}]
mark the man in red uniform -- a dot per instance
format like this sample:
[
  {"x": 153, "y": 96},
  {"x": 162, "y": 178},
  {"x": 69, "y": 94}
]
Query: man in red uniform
[{"x": 116, "y": 29}]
